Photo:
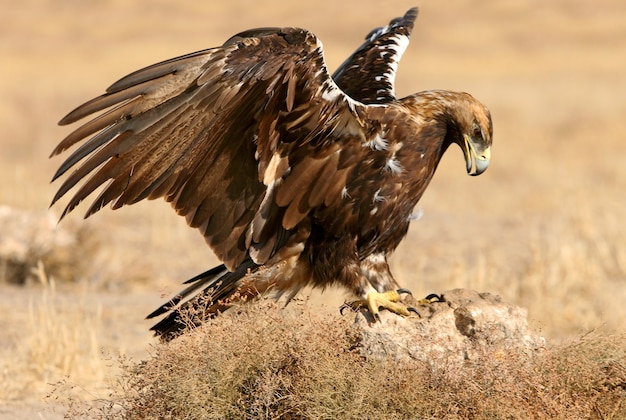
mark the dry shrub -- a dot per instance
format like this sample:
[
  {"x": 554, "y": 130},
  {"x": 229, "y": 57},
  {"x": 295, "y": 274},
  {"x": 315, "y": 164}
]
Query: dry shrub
[{"x": 261, "y": 362}]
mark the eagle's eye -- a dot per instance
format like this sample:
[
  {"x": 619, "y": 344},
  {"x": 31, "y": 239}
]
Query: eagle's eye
[{"x": 477, "y": 132}]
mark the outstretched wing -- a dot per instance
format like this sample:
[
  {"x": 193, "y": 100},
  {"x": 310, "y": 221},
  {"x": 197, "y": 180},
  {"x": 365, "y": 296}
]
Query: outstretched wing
[
  {"x": 243, "y": 140},
  {"x": 368, "y": 75}
]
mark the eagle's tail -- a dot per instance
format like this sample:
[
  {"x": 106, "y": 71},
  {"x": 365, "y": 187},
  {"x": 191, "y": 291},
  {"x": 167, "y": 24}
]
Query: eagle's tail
[{"x": 221, "y": 288}]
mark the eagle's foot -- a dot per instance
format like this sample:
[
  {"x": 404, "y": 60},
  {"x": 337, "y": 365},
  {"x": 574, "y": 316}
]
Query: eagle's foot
[{"x": 388, "y": 300}]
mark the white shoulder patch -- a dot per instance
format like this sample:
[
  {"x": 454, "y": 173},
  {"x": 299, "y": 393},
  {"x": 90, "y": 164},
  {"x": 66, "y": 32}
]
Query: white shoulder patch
[
  {"x": 394, "y": 166},
  {"x": 377, "y": 143}
]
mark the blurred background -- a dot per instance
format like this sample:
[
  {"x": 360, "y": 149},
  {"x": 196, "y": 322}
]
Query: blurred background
[{"x": 543, "y": 227}]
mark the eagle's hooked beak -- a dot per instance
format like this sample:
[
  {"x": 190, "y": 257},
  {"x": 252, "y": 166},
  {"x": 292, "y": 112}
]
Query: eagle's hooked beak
[{"x": 476, "y": 156}]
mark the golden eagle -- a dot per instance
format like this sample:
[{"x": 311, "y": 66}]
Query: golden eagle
[{"x": 293, "y": 177}]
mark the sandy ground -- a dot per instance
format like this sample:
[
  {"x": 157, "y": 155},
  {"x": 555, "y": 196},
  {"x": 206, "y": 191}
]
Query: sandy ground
[{"x": 544, "y": 221}]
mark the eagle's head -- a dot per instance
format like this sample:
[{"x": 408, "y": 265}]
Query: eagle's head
[
  {"x": 461, "y": 118},
  {"x": 472, "y": 129}
]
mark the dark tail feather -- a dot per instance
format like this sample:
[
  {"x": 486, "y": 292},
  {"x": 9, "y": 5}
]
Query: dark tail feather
[
  {"x": 206, "y": 278},
  {"x": 219, "y": 284}
]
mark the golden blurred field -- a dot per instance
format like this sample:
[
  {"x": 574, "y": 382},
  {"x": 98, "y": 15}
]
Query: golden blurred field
[{"x": 543, "y": 227}]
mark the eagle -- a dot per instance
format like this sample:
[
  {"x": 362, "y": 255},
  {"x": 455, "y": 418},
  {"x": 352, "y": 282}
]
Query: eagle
[{"x": 294, "y": 177}]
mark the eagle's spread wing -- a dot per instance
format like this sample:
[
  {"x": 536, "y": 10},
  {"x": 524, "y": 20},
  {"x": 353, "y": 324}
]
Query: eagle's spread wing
[
  {"x": 368, "y": 75},
  {"x": 243, "y": 140}
]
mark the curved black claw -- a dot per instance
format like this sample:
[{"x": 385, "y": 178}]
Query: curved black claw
[
  {"x": 405, "y": 291},
  {"x": 415, "y": 311},
  {"x": 353, "y": 306},
  {"x": 432, "y": 298},
  {"x": 343, "y": 308}
]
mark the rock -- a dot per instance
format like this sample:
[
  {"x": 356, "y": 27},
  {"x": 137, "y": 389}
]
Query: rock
[
  {"x": 464, "y": 326},
  {"x": 30, "y": 241}
]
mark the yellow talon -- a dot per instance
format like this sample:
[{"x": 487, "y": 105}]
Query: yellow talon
[
  {"x": 376, "y": 300},
  {"x": 387, "y": 300}
]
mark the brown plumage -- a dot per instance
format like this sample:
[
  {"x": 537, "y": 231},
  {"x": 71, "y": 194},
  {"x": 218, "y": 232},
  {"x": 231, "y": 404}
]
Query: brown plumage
[
  {"x": 290, "y": 181},
  {"x": 368, "y": 75}
]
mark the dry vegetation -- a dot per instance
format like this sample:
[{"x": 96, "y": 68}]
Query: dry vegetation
[
  {"x": 263, "y": 363},
  {"x": 543, "y": 227},
  {"x": 56, "y": 342}
]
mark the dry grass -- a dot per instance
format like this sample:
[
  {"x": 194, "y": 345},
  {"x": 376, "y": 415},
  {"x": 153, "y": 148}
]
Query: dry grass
[
  {"x": 569, "y": 273},
  {"x": 261, "y": 363},
  {"x": 56, "y": 340},
  {"x": 543, "y": 227}
]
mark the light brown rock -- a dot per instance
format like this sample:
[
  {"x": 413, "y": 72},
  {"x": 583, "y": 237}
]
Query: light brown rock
[
  {"x": 464, "y": 326},
  {"x": 30, "y": 240}
]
